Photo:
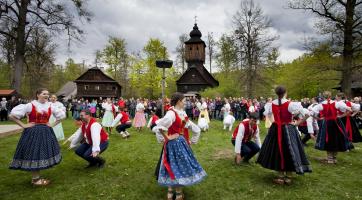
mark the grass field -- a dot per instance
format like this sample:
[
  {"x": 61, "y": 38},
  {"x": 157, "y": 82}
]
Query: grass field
[{"x": 131, "y": 163}]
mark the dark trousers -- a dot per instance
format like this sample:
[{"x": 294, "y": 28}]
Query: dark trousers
[
  {"x": 123, "y": 127},
  {"x": 85, "y": 151},
  {"x": 3, "y": 115},
  {"x": 248, "y": 149},
  {"x": 304, "y": 130}
]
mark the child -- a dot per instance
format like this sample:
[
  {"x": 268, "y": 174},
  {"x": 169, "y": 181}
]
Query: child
[
  {"x": 196, "y": 113},
  {"x": 153, "y": 119},
  {"x": 202, "y": 123},
  {"x": 109, "y": 114},
  {"x": 123, "y": 122},
  {"x": 229, "y": 121}
]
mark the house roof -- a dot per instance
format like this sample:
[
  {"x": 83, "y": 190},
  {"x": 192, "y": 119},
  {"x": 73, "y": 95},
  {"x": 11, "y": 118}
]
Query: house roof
[
  {"x": 356, "y": 81},
  {"x": 7, "y": 92},
  {"x": 104, "y": 77},
  {"x": 201, "y": 71},
  {"x": 69, "y": 89}
]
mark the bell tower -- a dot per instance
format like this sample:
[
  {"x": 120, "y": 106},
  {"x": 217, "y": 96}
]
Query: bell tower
[{"x": 195, "y": 49}]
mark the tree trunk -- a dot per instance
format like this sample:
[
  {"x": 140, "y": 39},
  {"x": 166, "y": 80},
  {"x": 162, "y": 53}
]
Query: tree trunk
[
  {"x": 20, "y": 47},
  {"x": 348, "y": 49}
]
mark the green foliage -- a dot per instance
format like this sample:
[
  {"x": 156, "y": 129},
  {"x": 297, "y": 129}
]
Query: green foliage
[
  {"x": 229, "y": 86},
  {"x": 309, "y": 75},
  {"x": 145, "y": 77},
  {"x": 5, "y": 75},
  {"x": 227, "y": 56}
]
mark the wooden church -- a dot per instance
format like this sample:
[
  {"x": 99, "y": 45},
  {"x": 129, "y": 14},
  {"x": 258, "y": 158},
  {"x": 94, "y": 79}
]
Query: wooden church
[
  {"x": 196, "y": 78},
  {"x": 94, "y": 83}
]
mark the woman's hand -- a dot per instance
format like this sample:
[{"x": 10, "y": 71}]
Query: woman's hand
[
  {"x": 172, "y": 137},
  {"x": 28, "y": 125}
]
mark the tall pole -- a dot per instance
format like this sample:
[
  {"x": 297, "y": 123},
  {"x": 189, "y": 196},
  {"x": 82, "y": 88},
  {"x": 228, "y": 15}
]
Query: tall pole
[
  {"x": 163, "y": 83},
  {"x": 163, "y": 91}
]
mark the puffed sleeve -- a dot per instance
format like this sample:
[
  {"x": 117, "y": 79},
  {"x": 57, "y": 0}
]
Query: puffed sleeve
[
  {"x": 268, "y": 109},
  {"x": 316, "y": 109},
  {"x": 340, "y": 105},
  {"x": 355, "y": 107},
  {"x": 58, "y": 112},
  {"x": 158, "y": 134},
  {"x": 296, "y": 108},
  {"x": 310, "y": 125},
  {"x": 195, "y": 131},
  {"x": 165, "y": 122},
  {"x": 20, "y": 110}
]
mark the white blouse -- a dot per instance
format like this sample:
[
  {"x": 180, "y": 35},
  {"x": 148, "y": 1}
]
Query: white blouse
[
  {"x": 340, "y": 105},
  {"x": 59, "y": 105},
  {"x": 227, "y": 107},
  {"x": 229, "y": 119},
  {"x": 108, "y": 107},
  {"x": 355, "y": 107},
  {"x": 140, "y": 107},
  {"x": 204, "y": 106},
  {"x": 293, "y": 107},
  {"x": 21, "y": 110},
  {"x": 170, "y": 117},
  {"x": 202, "y": 123}
]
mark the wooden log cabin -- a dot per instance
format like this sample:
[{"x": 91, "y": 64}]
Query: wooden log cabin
[
  {"x": 94, "y": 83},
  {"x": 196, "y": 78}
]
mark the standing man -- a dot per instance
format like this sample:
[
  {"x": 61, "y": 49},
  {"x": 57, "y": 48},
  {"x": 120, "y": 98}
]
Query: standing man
[
  {"x": 96, "y": 140},
  {"x": 3, "y": 110}
]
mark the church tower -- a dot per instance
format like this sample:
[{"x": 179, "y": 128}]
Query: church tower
[{"x": 196, "y": 78}]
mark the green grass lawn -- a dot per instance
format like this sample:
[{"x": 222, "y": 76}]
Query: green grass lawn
[{"x": 131, "y": 163}]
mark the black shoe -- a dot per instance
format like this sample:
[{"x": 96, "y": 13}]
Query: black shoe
[
  {"x": 101, "y": 163},
  {"x": 91, "y": 165},
  {"x": 246, "y": 162}
]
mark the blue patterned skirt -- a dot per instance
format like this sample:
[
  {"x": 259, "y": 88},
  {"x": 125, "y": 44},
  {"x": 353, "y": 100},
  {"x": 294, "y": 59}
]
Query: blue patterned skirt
[
  {"x": 37, "y": 149},
  {"x": 335, "y": 131},
  {"x": 183, "y": 164}
]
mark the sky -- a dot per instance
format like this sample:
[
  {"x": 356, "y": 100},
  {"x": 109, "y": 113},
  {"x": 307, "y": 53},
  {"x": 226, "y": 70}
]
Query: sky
[{"x": 138, "y": 20}]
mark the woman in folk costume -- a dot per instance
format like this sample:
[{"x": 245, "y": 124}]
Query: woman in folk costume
[
  {"x": 203, "y": 110},
  {"x": 332, "y": 135},
  {"x": 269, "y": 119},
  {"x": 139, "y": 120},
  {"x": 227, "y": 108},
  {"x": 58, "y": 129},
  {"x": 109, "y": 114},
  {"x": 152, "y": 122},
  {"x": 123, "y": 122},
  {"x": 282, "y": 149},
  {"x": 38, "y": 147},
  {"x": 350, "y": 123},
  {"x": 178, "y": 165}
]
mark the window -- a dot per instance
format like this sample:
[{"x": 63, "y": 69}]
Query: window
[
  {"x": 96, "y": 87},
  {"x": 114, "y": 88},
  {"x": 190, "y": 48},
  {"x": 109, "y": 87},
  {"x": 86, "y": 87}
]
